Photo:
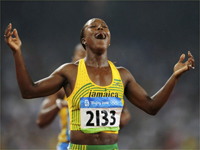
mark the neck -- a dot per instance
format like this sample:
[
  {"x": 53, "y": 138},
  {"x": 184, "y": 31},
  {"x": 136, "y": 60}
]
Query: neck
[{"x": 96, "y": 60}]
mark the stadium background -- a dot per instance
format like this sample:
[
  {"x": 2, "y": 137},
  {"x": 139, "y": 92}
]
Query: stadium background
[{"x": 148, "y": 38}]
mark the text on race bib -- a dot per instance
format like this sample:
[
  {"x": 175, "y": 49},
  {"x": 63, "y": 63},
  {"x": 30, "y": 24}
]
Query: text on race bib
[{"x": 100, "y": 112}]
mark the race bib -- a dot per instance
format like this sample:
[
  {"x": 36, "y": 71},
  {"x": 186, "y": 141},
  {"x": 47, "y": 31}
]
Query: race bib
[{"x": 100, "y": 114}]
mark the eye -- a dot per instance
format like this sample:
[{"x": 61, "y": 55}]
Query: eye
[
  {"x": 93, "y": 26},
  {"x": 104, "y": 25}
]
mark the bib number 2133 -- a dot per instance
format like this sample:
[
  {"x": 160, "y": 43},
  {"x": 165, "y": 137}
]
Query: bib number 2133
[
  {"x": 100, "y": 112},
  {"x": 101, "y": 118}
]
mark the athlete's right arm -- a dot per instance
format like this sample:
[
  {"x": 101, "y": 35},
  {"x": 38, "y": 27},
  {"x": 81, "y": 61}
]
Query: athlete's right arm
[{"x": 28, "y": 88}]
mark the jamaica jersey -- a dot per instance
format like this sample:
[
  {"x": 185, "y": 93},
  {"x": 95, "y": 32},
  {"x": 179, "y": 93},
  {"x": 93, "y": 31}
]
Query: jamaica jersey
[
  {"x": 64, "y": 135},
  {"x": 95, "y": 108}
]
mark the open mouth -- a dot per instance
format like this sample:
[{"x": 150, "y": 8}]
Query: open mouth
[{"x": 100, "y": 36}]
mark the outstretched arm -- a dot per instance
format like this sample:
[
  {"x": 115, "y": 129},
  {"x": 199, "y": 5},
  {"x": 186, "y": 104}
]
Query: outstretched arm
[
  {"x": 49, "y": 109},
  {"x": 28, "y": 88},
  {"x": 138, "y": 96}
]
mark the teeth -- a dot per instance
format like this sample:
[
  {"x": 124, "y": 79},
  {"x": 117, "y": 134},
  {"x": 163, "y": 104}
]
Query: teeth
[{"x": 100, "y": 36}]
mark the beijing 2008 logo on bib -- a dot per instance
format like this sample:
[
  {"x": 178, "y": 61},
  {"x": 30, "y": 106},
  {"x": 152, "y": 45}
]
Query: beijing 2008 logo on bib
[
  {"x": 87, "y": 103},
  {"x": 114, "y": 102}
]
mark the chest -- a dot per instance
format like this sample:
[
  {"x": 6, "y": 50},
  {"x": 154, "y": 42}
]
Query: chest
[{"x": 100, "y": 76}]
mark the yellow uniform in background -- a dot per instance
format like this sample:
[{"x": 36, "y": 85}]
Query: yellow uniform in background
[{"x": 64, "y": 136}]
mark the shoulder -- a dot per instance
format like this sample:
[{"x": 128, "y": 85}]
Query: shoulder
[
  {"x": 67, "y": 70},
  {"x": 67, "y": 67},
  {"x": 123, "y": 71},
  {"x": 125, "y": 74}
]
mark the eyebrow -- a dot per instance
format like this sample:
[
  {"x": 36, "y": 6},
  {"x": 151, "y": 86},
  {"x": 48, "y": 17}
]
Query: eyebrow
[
  {"x": 101, "y": 22},
  {"x": 95, "y": 21}
]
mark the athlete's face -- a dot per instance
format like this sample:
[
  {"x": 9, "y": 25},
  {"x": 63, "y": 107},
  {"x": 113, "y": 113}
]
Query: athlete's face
[{"x": 96, "y": 35}]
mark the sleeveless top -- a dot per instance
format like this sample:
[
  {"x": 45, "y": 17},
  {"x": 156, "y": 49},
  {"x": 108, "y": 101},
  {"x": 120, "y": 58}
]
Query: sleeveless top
[
  {"x": 64, "y": 135},
  {"x": 95, "y": 108}
]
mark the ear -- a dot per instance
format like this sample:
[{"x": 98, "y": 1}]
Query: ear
[
  {"x": 109, "y": 44},
  {"x": 83, "y": 41}
]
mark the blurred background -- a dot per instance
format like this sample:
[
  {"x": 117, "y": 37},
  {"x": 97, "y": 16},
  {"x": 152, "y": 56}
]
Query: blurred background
[{"x": 147, "y": 38}]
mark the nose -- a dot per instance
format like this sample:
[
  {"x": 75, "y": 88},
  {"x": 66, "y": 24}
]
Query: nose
[{"x": 100, "y": 27}]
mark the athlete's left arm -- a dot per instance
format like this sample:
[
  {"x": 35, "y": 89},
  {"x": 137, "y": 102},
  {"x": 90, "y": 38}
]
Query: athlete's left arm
[{"x": 139, "y": 97}]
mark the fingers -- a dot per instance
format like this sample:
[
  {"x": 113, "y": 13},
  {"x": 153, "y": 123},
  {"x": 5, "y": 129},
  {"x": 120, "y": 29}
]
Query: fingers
[
  {"x": 8, "y": 28},
  {"x": 15, "y": 33},
  {"x": 182, "y": 58},
  {"x": 191, "y": 62},
  {"x": 7, "y": 31}
]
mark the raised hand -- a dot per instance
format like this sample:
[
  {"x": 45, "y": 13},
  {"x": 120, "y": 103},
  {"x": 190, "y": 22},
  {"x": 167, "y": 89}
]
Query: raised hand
[
  {"x": 13, "y": 42},
  {"x": 181, "y": 67}
]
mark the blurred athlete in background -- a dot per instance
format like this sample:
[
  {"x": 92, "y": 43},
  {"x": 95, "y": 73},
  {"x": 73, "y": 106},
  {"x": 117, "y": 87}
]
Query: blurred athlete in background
[{"x": 57, "y": 104}]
